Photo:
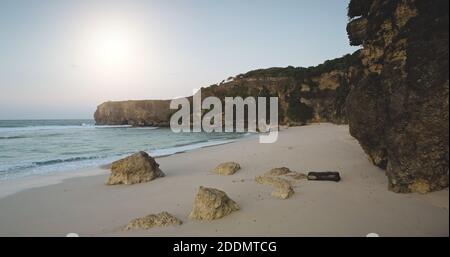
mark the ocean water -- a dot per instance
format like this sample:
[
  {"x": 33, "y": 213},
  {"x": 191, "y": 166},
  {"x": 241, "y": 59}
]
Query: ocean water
[{"x": 34, "y": 147}]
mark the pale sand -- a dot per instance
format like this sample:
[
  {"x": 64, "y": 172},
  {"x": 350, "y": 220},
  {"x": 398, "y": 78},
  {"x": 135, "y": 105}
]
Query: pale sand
[{"x": 358, "y": 205}]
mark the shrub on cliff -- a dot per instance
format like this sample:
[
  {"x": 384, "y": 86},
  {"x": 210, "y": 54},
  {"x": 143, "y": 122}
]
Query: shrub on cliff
[
  {"x": 301, "y": 73},
  {"x": 298, "y": 111}
]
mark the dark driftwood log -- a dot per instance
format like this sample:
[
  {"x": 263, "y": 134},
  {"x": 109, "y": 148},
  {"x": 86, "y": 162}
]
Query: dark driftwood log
[{"x": 326, "y": 175}]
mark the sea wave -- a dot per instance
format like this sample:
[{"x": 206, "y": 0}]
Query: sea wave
[
  {"x": 109, "y": 126},
  {"x": 72, "y": 159},
  {"x": 11, "y": 137},
  {"x": 61, "y": 127},
  {"x": 42, "y": 167},
  {"x": 188, "y": 147},
  {"x": 85, "y": 152},
  {"x": 11, "y": 168},
  {"x": 85, "y": 161},
  {"x": 38, "y": 128},
  {"x": 22, "y": 136},
  {"x": 146, "y": 128},
  {"x": 53, "y": 147}
]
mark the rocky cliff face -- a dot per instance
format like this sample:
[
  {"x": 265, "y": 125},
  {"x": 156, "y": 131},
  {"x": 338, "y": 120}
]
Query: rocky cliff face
[
  {"x": 399, "y": 109},
  {"x": 135, "y": 113},
  {"x": 315, "y": 94}
]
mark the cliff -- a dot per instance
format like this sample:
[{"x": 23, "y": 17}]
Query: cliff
[
  {"x": 311, "y": 94},
  {"x": 399, "y": 109},
  {"x": 314, "y": 94},
  {"x": 135, "y": 113}
]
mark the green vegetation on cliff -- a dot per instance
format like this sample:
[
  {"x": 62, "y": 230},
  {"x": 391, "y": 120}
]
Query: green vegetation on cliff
[{"x": 301, "y": 73}]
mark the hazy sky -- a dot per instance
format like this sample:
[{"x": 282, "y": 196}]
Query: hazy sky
[{"x": 61, "y": 58}]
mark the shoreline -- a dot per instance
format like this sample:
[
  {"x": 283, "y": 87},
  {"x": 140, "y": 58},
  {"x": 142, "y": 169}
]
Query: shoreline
[
  {"x": 358, "y": 205},
  {"x": 59, "y": 176}
]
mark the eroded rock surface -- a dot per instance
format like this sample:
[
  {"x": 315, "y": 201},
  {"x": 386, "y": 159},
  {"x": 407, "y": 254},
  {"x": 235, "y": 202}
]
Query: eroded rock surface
[
  {"x": 283, "y": 171},
  {"x": 278, "y": 171},
  {"x": 398, "y": 111},
  {"x": 137, "y": 168},
  {"x": 211, "y": 204},
  {"x": 227, "y": 168},
  {"x": 162, "y": 219},
  {"x": 135, "y": 113},
  {"x": 282, "y": 187}
]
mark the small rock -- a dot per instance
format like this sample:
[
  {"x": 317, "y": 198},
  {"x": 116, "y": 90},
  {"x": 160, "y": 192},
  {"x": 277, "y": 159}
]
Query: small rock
[
  {"x": 282, "y": 187},
  {"x": 137, "y": 168},
  {"x": 227, "y": 168},
  {"x": 211, "y": 204},
  {"x": 278, "y": 171},
  {"x": 283, "y": 171},
  {"x": 162, "y": 219}
]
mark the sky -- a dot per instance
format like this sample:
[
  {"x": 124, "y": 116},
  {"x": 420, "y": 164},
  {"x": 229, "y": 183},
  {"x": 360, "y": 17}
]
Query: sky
[{"x": 59, "y": 59}]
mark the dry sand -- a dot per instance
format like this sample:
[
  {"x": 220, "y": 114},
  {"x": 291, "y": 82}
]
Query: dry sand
[{"x": 358, "y": 205}]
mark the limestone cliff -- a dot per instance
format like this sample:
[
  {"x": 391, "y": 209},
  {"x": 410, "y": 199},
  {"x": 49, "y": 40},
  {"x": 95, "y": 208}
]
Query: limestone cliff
[
  {"x": 135, "y": 113},
  {"x": 399, "y": 109},
  {"x": 314, "y": 94},
  {"x": 311, "y": 94}
]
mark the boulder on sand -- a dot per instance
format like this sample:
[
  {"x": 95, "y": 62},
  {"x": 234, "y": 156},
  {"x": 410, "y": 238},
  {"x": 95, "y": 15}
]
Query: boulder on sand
[
  {"x": 211, "y": 204},
  {"x": 282, "y": 187},
  {"x": 162, "y": 219},
  {"x": 137, "y": 168},
  {"x": 227, "y": 168},
  {"x": 278, "y": 171},
  {"x": 283, "y": 171}
]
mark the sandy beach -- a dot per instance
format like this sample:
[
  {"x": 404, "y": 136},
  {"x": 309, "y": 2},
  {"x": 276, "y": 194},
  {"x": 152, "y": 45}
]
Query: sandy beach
[{"x": 357, "y": 205}]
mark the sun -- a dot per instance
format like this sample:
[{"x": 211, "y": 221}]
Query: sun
[
  {"x": 115, "y": 51},
  {"x": 113, "y": 46}
]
